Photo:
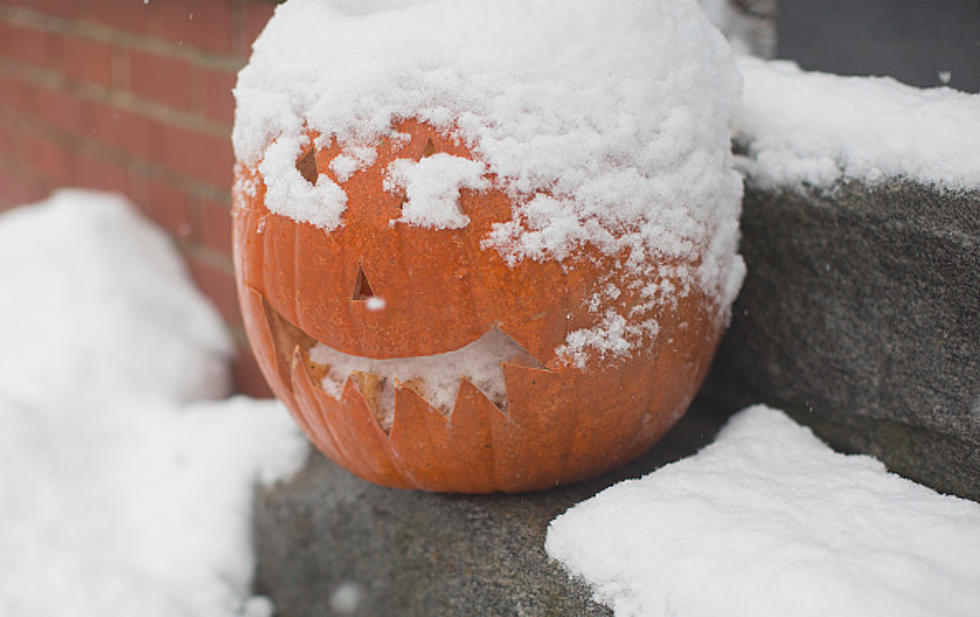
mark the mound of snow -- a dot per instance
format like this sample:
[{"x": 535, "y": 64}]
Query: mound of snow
[
  {"x": 816, "y": 128},
  {"x": 119, "y": 497},
  {"x": 768, "y": 521},
  {"x": 96, "y": 301}
]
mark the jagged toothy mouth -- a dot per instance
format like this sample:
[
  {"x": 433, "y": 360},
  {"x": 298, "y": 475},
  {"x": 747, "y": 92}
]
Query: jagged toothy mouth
[{"x": 435, "y": 378}]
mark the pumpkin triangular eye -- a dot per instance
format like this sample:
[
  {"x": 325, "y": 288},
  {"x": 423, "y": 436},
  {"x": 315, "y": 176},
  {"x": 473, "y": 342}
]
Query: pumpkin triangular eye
[
  {"x": 306, "y": 165},
  {"x": 362, "y": 288},
  {"x": 429, "y": 149}
]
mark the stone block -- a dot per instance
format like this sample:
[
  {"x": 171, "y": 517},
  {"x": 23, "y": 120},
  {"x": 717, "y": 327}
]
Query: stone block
[{"x": 860, "y": 316}]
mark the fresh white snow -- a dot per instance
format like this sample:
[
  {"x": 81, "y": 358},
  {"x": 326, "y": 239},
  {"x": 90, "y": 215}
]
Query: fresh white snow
[
  {"x": 287, "y": 190},
  {"x": 817, "y": 128},
  {"x": 122, "y": 491},
  {"x": 623, "y": 147},
  {"x": 95, "y": 301},
  {"x": 769, "y": 521},
  {"x": 431, "y": 187},
  {"x": 613, "y": 336}
]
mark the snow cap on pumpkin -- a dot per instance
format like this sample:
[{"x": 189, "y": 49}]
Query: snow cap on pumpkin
[{"x": 606, "y": 122}]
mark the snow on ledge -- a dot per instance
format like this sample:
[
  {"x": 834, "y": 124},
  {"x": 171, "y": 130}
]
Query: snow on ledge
[
  {"x": 817, "y": 128},
  {"x": 769, "y": 521}
]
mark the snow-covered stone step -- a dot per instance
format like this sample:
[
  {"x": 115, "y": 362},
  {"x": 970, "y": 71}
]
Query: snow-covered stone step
[{"x": 860, "y": 313}]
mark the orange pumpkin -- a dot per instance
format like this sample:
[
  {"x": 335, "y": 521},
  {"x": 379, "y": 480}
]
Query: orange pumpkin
[{"x": 301, "y": 286}]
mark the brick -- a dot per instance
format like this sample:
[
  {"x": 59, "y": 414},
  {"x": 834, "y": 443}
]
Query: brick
[
  {"x": 218, "y": 102},
  {"x": 29, "y": 45},
  {"x": 8, "y": 92},
  {"x": 90, "y": 170},
  {"x": 160, "y": 78},
  {"x": 16, "y": 190},
  {"x": 202, "y": 25},
  {"x": 132, "y": 133},
  {"x": 198, "y": 155},
  {"x": 48, "y": 158},
  {"x": 126, "y": 15},
  {"x": 7, "y": 138},
  {"x": 164, "y": 203},
  {"x": 14, "y": 141},
  {"x": 256, "y": 16},
  {"x": 87, "y": 60},
  {"x": 218, "y": 285},
  {"x": 64, "y": 111},
  {"x": 215, "y": 232},
  {"x": 16, "y": 95},
  {"x": 68, "y": 9},
  {"x": 247, "y": 376}
]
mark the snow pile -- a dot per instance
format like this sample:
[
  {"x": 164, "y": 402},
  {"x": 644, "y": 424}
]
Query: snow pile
[
  {"x": 435, "y": 378},
  {"x": 817, "y": 128},
  {"x": 120, "y": 496},
  {"x": 621, "y": 146},
  {"x": 97, "y": 301},
  {"x": 770, "y": 521},
  {"x": 135, "y": 507}
]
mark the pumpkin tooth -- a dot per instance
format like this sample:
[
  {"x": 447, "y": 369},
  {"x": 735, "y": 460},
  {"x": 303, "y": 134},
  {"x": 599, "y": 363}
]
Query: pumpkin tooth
[
  {"x": 497, "y": 399},
  {"x": 526, "y": 360},
  {"x": 534, "y": 356},
  {"x": 349, "y": 426},
  {"x": 310, "y": 407},
  {"x": 373, "y": 389},
  {"x": 256, "y": 313},
  {"x": 531, "y": 392},
  {"x": 415, "y": 384},
  {"x": 422, "y": 434},
  {"x": 466, "y": 398}
]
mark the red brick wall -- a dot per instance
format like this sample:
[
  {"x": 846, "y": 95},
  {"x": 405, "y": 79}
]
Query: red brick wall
[{"x": 134, "y": 97}]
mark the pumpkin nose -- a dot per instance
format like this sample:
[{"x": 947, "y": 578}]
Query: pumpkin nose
[
  {"x": 306, "y": 165},
  {"x": 362, "y": 287}
]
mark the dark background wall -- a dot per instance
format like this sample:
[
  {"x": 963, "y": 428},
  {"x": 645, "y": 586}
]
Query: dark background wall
[{"x": 919, "y": 42}]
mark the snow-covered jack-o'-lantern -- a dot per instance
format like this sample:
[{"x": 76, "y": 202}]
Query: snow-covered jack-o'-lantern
[{"x": 478, "y": 247}]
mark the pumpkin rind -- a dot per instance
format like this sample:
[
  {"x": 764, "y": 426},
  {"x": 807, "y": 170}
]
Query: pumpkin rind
[{"x": 443, "y": 290}]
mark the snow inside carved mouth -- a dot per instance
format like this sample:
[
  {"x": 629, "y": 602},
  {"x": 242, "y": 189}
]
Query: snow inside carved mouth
[{"x": 435, "y": 378}]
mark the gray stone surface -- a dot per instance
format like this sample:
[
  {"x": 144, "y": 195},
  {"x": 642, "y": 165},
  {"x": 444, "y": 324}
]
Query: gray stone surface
[
  {"x": 860, "y": 316},
  {"x": 326, "y": 536}
]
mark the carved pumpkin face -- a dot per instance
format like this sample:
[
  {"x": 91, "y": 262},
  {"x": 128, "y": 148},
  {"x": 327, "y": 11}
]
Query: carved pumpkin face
[{"x": 393, "y": 296}]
